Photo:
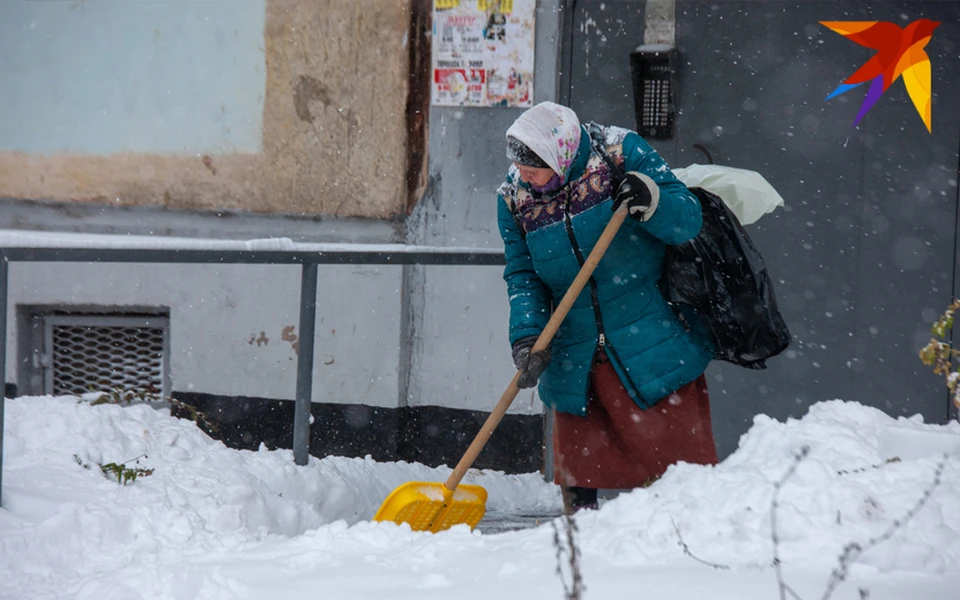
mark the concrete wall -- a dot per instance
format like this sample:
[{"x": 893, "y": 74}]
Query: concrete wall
[
  {"x": 212, "y": 320},
  {"x": 278, "y": 106},
  {"x": 357, "y": 345},
  {"x": 459, "y": 353},
  {"x": 136, "y": 111},
  {"x": 386, "y": 336},
  {"x": 233, "y": 328}
]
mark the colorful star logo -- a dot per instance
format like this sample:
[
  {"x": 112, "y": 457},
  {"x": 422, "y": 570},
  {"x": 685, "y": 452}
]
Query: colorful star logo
[{"x": 899, "y": 52}]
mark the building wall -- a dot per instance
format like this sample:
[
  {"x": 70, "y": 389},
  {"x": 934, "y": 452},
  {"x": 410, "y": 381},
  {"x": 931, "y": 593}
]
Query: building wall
[
  {"x": 409, "y": 360},
  {"x": 276, "y": 106},
  {"x": 357, "y": 344},
  {"x": 467, "y": 164},
  {"x": 863, "y": 256},
  {"x": 231, "y": 332}
]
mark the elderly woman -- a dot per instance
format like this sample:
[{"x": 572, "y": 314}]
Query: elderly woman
[{"x": 624, "y": 373}]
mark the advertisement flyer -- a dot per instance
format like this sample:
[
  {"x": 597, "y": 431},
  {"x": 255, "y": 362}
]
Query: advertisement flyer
[{"x": 483, "y": 52}]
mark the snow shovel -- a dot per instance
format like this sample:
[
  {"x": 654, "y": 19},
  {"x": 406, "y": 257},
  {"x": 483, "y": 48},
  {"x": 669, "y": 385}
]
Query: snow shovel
[{"x": 435, "y": 507}]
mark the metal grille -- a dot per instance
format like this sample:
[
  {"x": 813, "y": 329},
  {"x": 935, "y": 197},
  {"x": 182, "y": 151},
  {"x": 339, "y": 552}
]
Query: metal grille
[
  {"x": 105, "y": 353},
  {"x": 652, "y": 74}
]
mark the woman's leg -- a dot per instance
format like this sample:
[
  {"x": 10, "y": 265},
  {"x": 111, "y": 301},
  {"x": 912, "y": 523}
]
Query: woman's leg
[{"x": 577, "y": 498}]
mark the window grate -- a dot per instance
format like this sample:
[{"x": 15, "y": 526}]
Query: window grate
[{"x": 102, "y": 354}]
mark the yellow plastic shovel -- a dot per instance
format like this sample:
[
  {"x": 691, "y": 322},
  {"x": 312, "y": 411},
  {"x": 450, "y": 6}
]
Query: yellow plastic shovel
[{"x": 435, "y": 507}]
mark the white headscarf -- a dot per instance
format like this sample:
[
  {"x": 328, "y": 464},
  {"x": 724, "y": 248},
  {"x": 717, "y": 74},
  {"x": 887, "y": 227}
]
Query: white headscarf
[{"x": 552, "y": 131}]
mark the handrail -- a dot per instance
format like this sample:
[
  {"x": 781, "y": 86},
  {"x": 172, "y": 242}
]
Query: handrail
[
  {"x": 309, "y": 257},
  {"x": 383, "y": 255}
]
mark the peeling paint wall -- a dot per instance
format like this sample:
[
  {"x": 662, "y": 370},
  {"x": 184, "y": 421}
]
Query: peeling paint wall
[{"x": 278, "y": 106}]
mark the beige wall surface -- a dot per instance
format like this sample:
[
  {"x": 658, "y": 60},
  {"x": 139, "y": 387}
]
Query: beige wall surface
[{"x": 323, "y": 129}]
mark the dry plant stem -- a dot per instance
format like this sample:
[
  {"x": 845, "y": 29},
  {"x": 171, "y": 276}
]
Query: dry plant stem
[
  {"x": 784, "y": 588},
  {"x": 573, "y": 590},
  {"x": 686, "y": 549},
  {"x": 895, "y": 459},
  {"x": 853, "y": 550},
  {"x": 144, "y": 455}
]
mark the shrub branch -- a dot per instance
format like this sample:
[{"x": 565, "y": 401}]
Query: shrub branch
[
  {"x": 567, "y": 545},
  {"x": 853, "y": 550},
  {"x": 686, "y": 550}
]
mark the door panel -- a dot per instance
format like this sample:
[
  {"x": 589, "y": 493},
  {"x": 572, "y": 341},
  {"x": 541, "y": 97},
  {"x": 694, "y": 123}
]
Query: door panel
[{"x": 863, "y": 255}]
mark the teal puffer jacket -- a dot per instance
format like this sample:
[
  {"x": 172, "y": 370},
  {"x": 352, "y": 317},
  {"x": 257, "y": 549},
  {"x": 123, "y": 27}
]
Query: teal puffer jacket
[{"x": 547, "y": 237}]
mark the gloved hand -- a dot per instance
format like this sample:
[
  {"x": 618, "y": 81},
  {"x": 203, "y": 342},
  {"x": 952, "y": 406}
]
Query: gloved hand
[
  {"x": 531, "y": 363},
  {"x": 640, "y": 193}
]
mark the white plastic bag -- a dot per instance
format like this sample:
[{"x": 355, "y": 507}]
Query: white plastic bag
[{"x": 746, "y": 193}]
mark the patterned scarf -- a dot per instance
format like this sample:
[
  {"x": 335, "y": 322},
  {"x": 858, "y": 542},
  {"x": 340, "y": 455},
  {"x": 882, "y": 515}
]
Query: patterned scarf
[{"x": 553, "y": 132}]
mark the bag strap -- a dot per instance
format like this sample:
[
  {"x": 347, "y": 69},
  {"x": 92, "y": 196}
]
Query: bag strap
[{"x": 617, "y": 172}]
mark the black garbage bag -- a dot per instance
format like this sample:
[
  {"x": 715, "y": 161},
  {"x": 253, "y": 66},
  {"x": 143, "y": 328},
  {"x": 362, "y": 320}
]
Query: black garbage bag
[{"x": 722, "y": 277}]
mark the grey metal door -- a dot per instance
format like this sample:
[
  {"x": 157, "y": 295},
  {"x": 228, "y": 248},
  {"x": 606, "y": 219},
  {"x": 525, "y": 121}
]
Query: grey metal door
[{"x": 864, "y": 254}]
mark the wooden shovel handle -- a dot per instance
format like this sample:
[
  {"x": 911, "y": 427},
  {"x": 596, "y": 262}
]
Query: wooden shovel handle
[{"x": 546, "y": 336}]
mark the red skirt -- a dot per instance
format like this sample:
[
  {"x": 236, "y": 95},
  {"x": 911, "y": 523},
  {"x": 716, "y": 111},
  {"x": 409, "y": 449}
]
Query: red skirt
[{"x": 619, "y": 445}]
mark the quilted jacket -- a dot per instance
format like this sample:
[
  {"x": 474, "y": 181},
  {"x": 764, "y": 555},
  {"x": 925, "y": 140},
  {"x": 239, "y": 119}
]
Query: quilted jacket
[{"x": 547, "y": 238}]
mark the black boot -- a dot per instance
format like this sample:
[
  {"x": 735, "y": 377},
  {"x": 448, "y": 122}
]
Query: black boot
[{"x": 576, "y": 498}]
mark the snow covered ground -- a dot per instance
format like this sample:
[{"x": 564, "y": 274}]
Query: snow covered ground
[{"x": 211, "y": 522}]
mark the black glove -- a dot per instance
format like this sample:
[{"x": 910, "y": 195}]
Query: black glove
[
  {"x": 532, "y": 364},
  {"x": 640, "y": 193}
]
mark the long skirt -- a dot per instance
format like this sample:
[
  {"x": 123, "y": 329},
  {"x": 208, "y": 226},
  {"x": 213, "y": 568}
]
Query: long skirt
[{"x": 619, "y": 445}]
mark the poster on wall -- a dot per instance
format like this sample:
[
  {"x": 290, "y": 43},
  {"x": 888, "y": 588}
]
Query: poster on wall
[{"x": 483, "y": 52}]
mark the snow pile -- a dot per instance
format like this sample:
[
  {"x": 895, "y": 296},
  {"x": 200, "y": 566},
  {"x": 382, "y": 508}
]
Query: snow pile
[
  {"x": 863, "y": 472},
  {"x": 212, "y": 522},
  {"x": 213, "y": 487}
]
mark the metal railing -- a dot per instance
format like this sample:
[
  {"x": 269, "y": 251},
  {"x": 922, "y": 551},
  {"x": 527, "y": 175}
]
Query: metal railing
[{"x": 309, "y": 261}]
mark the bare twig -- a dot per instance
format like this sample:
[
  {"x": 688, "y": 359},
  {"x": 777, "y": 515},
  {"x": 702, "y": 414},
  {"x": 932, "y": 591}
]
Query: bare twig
[
  {"x": 144, "y": 455},
  {"x": 686, "y": 549},
  {"x": 894, "y": 459},
  {"x": 568, "y": 545},
  {"x": 853, "y": 550},
  {"x": 784, "y": 588},
  {"x": 197, "y": 416}
]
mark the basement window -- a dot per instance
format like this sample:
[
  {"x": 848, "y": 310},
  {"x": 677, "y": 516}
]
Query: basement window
[{"x": 102, "y": 353}]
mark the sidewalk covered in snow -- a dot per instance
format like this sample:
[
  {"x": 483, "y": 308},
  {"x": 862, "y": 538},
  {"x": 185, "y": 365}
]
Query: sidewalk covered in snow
[{"x": 212, "y": 522}]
